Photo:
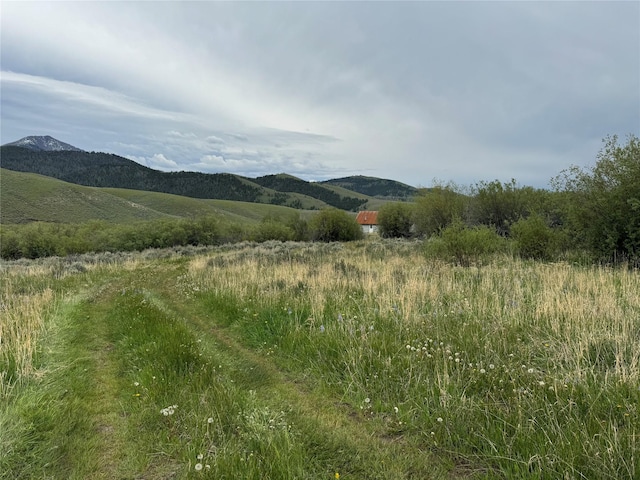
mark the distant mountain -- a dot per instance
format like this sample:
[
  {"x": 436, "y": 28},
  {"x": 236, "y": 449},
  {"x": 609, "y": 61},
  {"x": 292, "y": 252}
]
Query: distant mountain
[
  {"x": 45, "y": 155},
  {"x": 375, "y": 187},
  {"x": 44, "y": 144},
  {"x": 95, "y": 169}
]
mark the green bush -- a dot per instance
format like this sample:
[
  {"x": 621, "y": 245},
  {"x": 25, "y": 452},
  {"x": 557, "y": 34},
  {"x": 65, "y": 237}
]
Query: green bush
[
  {"x": 466, "y": 246},
  {"x": 603, "y": 202},
  {"x": 271, "y": 229},
  {"x": 395, "y": 220},
  {"x": 333, "y": 225},
  {"x": 299, "y": 226},
  {"x": 438, "y": 207},
  {"x": 534, "y": 238},
  {"x": 9, "y": 245},
  {"x": 36, "y": 240}
]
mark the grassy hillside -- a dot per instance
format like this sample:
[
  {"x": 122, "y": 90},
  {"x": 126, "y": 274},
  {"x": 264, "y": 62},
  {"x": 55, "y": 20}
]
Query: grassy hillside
[
  {"x": 317, "y": 361},
  {"x": 28, "y": 197},
  {"x": 244, "y": 212}
]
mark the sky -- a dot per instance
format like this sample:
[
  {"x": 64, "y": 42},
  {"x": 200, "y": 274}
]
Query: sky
[{"x": 419, "y": 92}]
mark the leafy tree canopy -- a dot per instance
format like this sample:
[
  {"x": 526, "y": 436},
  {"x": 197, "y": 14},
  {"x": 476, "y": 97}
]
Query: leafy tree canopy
[{"x": 603, "y": 202}]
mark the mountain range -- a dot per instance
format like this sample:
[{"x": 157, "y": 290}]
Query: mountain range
[{"x": 48, "y": 156}]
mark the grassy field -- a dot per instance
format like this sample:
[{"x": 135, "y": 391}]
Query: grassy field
[{"x": 318, "y": 361}]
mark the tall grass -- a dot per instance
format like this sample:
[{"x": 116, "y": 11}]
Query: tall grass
[
  {"x": 295, "y": 360},
  {"x": 24, "y": 305},
  {"x": 514, "y": 368}
]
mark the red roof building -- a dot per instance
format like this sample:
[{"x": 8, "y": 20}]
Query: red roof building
[{"x": 368, "y": 220}]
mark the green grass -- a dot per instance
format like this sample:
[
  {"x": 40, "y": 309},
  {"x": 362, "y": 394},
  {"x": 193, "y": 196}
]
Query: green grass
[
  {"x": 307, "y": 360},
  {"x": 28, "y": 197},
  {"x": 241, "y": 212}
]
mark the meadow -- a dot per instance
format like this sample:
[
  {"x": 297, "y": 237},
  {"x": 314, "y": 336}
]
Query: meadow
[{"x": 362, "y": 360}]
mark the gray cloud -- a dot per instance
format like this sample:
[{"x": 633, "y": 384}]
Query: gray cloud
[{"x": 461, "y": 91}]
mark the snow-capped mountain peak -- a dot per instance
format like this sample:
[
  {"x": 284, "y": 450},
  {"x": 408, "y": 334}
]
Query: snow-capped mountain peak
[{"x": 43, "y": 143}]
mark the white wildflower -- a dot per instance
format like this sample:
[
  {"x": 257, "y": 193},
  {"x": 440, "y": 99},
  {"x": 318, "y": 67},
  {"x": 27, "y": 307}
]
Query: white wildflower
[{"x": 170, "y": 410}]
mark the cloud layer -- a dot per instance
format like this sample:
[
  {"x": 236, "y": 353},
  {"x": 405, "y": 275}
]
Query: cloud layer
[{"x": 461, "y": 91}]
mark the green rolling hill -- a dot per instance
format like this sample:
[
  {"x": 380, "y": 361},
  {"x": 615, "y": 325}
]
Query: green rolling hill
[
  {"x": 29, "y": 197},
  {"x": 375, "y": 187},
  {"x": 94, "y": 169}
]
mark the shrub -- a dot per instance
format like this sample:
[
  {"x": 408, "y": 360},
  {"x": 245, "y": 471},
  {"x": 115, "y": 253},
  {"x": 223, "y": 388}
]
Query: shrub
[
  {"x": 333, "y": 225},
  {"x": 438, "y": 207},
  {"x": 299, "y": 226},
  {"x": 534, "y": 238},
  {"x": 603, "y": 203},
  {"x": 10, "y": 245},
  {"x": 271, "y": 229},
  {"x": 466, "y": 246},
  {"x": 500, "y": 205},
  {"x": 395, "y": 220}
]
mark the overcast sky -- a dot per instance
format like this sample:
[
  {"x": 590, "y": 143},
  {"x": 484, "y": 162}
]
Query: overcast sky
[{"x": 416, "y": 91}]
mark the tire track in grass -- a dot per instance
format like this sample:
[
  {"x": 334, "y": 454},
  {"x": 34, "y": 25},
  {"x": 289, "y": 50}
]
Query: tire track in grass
[
  {"x": 66, "y": 420},
  {"x": 80, "y": 420},
  {"x": 115, "y": 457},
  {"x": 335, "y": 435},
  {"x": 102, "y": 450},
  {"x": 115, "y": 437}
]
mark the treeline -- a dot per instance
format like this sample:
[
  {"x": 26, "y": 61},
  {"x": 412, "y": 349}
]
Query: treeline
[
  {"x": 591, "y": 215},
  {"x": 594, "y": 213},
  {"x": 286, "y": 183},
  {"x": 40, "y": 239}
]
